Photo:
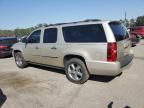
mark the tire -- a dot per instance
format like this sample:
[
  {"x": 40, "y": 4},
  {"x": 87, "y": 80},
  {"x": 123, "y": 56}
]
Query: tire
[
  {"x": 76, "y": 71},
  {"x": 139, "y": 36},
  {"x": 19, "y": 60}
]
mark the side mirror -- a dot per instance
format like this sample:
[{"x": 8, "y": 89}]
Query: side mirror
[{"x": 24, "y": 40}]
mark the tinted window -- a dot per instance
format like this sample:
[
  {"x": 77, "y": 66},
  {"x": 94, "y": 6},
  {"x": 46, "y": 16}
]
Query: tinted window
[
  {"x": 50, "y": 35},
  {"x": 119, "y": 30},
  {"x": 35, "y": 37},
  {"x": 84, "y": 33}
]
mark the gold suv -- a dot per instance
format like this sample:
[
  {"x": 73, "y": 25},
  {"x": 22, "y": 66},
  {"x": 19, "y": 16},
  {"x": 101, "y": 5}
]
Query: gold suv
[{"x": 81, "y": 48}]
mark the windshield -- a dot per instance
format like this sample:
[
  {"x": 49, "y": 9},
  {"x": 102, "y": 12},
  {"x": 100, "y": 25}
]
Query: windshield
[{"x": 119, "y": 30}]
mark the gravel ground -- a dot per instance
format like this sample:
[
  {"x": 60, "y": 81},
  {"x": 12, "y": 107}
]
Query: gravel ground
[{"x": 40, "y": 87}]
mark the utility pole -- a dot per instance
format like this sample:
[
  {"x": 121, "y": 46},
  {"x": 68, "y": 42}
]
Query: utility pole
[
  {"x": 126, "y": 21},
  {"x": 125, "y": 16}
]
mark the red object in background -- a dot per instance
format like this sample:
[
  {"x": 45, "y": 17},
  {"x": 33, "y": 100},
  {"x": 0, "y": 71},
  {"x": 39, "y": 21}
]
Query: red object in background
[
  {"x": 137, "y": 31},
  {"x": 3, "y": 46}
]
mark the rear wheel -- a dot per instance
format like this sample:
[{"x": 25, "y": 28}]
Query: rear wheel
[
  {"x": 19, "y": 60},
  {"x": 76, "y": 71}
]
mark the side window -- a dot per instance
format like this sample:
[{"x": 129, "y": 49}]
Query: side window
[
  {"x": 35, "y": 37},
  {"x": 50, "y": 35},
  {"x": 84, "y": 33}
]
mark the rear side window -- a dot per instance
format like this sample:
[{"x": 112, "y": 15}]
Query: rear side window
[
  {"x": 119, "y": 31},
  {"x": 50, "y": 35},
  {"x": 84, "y": 33}
]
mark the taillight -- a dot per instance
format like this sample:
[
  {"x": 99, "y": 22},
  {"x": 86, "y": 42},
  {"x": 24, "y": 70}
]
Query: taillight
[
  {"x": 3, "y": 46},
  {"x": 112, "y": 52}
]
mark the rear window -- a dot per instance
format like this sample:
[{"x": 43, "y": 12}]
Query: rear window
[
  {"x": 119, "y": 31},
  {"x": 84, "y": 33},
  {"x": 8, "y": 41}
]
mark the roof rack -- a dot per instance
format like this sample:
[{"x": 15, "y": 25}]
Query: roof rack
[{"x": 88, "y": 20}]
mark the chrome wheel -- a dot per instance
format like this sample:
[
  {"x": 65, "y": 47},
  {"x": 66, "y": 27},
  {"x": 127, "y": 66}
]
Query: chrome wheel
[
  {"x": 75, "y": 71},
  {"x": 19, "y": 60}
]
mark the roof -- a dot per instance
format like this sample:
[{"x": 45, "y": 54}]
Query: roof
[{"x": 78, "y": 22}]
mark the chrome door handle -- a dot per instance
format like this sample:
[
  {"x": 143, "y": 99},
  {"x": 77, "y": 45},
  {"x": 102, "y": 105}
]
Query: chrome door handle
[{"x": 53, "y": 48}]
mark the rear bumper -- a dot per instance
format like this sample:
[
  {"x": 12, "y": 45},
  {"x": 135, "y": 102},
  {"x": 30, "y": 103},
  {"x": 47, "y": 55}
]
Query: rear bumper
[
  {"x": 108, "y": 68},
  {"x": 104, "y": 68},
  {"x": 128, "y": 61}
]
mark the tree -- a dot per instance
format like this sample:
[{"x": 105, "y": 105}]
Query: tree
[
  {"x": 41, "y": 25},
  {"x": 6, "y": 33},
  {"x": 125, "y": 22},
  {"x": 140, "y": 21},
  {"x": 22, "y": 32},
  {"x": 132, "y": 22},
  {"x": 122, "y": 21}
]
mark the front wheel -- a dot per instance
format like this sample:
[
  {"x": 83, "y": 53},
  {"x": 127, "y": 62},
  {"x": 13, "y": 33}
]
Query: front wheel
[
  {"x": 76, "y": 71},
  {"x": 19, "y": 60}
]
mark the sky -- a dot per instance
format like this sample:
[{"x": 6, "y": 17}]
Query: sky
[{"x": 27, "y": 13}]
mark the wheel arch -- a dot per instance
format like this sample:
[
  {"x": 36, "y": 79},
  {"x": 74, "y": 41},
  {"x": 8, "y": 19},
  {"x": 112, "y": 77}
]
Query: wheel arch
[
  {"x": 15, "y": 51},
  {"x": 70, "y": 56}
]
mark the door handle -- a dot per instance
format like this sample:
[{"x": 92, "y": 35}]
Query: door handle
[
  {"x": 36, "y": 47},
  {"x": 53, "y": 48}
]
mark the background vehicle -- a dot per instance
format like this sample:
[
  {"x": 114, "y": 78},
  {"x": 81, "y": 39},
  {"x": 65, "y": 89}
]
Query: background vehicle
[
  {"x": 5, "y": 45},
  {"x": 82, "y": 48},
  {"x": 137, "y": 31},
  {"x": 134, "y": 40}
]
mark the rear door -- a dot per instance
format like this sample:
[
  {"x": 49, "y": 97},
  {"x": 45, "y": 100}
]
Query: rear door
[
  {"x": 123, "y": 42},
  {"x": 50, "y": 48}
]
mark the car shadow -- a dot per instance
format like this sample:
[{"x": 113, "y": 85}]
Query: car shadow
[
  {"x": 101, "y": 78},
  {"x": 133, "y": 45},
  {"x": 3, "y": 98},
  {"x": 6, "y": 57},
  {"x": 98, "y": 78},
  {"x": 51, "y": 69}
]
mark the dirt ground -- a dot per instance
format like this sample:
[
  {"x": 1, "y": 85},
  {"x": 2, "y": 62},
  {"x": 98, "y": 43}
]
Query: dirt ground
[{"x": 41, "y": 87}]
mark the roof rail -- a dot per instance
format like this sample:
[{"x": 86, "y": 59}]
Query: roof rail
[{"x": 87, "y": 20}]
